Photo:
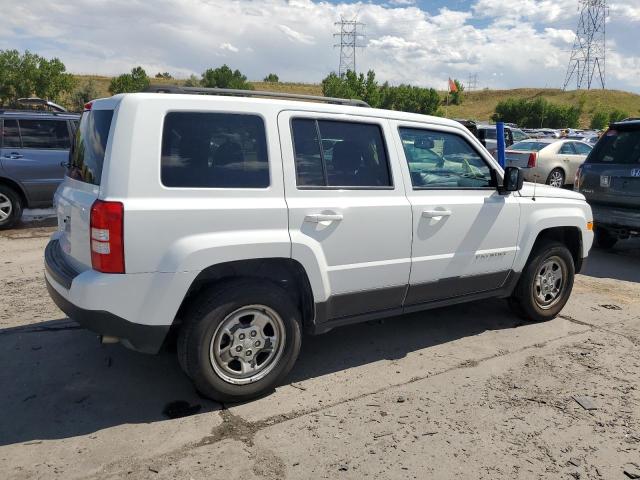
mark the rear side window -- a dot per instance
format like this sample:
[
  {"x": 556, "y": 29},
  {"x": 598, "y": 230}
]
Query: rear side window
[
  {"x": 45, "y": 134},
  {"x": 11, "y": 134},
  {"x": 617, "y": 147},
  {"x": 87, "y": 152},
  {"x": 567, "y": 149},
  {"x": 339, "y": 154},
  {"x": 214, "y": 150},
  {"x": 581, "y": 148}
]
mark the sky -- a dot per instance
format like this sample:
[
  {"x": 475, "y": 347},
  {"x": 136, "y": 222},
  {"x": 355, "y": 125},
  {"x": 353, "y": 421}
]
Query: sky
[{"x": 507, "y": 43}]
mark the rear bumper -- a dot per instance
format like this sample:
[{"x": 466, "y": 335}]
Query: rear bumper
[
  {"x": 617, "y": 217},
  {"x": 84, "y": 297},
  {"x": 143, "y": 338}
]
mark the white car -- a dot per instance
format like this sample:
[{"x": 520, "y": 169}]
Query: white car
[{"x": 241, "y": 222}]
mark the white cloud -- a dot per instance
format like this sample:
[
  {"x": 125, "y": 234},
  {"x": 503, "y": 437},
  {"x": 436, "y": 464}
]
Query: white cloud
[
  {"x": 524, "y": 42},
  {"x": 296, "y": 36}
]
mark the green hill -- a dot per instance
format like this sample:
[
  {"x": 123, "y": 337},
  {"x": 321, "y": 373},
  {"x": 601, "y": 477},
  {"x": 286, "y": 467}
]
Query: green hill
[{"x": 478, "y": 105}]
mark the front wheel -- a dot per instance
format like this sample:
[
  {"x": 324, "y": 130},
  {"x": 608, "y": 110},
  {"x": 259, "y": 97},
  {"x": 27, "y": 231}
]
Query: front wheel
[
  {"x": 239, "y": 340},
  {"x": 545, "y": 284},
  {"x": 556, "y": 178},
  {"x": 10, "y": 207}
]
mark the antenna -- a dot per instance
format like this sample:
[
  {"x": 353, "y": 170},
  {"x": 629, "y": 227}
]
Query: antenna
[
  {"x": 589, "y": 47},
  {"x": 349, "y": 41}
]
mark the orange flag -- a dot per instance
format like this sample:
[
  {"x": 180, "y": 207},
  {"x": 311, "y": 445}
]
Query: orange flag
[{"x": 453, "y": 88}]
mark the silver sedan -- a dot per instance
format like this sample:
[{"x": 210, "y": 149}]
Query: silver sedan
[{"x": 548, "y": 160}]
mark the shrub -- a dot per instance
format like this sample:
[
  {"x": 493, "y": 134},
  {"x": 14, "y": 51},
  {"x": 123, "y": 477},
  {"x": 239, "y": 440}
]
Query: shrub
[
  {"x": 83, "y": 94},
  {"x": 271, "y": 78},
  {"x": 599, "y": 121},
  {"x": 537, "y": 113},
  {"x": 136, "y": 81},
  {"x": 164, "y": 75},
  {"x": 224, "y": 77}
]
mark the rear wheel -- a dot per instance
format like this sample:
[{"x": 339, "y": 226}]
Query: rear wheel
[
  {"x": 545, "y": 284},
  {"x": 604, "y": 239},
  {"x": 556, "y": 178},
  {"x": 239, "y": 340},
  {"x": 10, "y": 207}
]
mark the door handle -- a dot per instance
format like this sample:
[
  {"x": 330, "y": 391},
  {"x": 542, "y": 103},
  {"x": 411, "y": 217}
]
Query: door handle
[
  {"x": 322, "y": 217},
  {"x": 13, "y": 155},
  {"x": 436, "y": 213}
]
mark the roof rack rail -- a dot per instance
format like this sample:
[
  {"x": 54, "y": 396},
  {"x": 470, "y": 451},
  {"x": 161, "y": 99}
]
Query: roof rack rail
[{"x": 254, "y": 93}]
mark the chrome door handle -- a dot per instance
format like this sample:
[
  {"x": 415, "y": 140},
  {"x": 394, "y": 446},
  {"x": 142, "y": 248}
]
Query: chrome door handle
[
  {"x": 436, "y": 213},
  {"x": 322, "y": 217}
]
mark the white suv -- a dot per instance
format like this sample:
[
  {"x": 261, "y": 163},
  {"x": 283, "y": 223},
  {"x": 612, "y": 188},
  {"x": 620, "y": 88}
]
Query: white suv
[{"x": 240, "y": 222}]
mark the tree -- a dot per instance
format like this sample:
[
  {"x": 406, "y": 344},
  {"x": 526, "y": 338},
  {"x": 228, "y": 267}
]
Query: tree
[
  {"x": 617, "y": 115},
  {"x": 403, "y": 97},
  {"x": 224, "y": 77},
  {"x": 192, "y": 81},
  {"x": 599, "y": 121},
  {"x": 28, "y": 74},
  {"x": 164, "y": 75},
  {"x": 271, "y": 78},
  {"x": 83, "y": 94},
  {"x": 136, "y": 81},
  {"x": 455, "y": 98}
]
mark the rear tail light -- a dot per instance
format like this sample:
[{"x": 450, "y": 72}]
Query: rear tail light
[
  {"x": 88, "y": 105},
  {"x": 107, "y": 237},
  {"x": 533, "y": 159}
]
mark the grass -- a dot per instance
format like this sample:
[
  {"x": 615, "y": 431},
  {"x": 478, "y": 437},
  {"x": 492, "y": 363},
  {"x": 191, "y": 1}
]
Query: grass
[{"x": 478, "y": 105}]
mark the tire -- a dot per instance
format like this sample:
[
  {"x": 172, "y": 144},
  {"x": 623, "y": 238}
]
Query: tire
[
  {"x": 604, "y": 239},
  {"x": 225, "y": 318},
  {"x": 527, "y": 298},
  {"x": 556, "y": 178},
  {"x": 10, "y": 207}
]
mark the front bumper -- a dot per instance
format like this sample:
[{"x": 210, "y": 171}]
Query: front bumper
[{"x": 59, "y": 276}]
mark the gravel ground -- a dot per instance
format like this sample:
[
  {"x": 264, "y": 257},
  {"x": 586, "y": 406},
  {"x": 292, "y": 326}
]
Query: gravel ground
[{"x": 463, "y": 392}]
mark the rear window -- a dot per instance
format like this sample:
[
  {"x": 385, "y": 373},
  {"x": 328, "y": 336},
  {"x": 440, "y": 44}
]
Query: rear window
[
  {"x": 617, "y": 146},
  {"x": 87, "y": 152},
  {"x": 214, "y": 150},
  {"x": 528, "y": 146}
]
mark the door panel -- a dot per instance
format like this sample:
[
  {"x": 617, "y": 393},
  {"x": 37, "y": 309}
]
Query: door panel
[
  {"x": 37, "y": 164},
  {"x": 360, "y": 235},
  {"x": 464, "y": 234}
]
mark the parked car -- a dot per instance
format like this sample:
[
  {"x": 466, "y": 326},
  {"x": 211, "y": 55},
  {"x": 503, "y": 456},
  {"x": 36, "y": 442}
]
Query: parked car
[
  {"x": 548, "y": 160},
  {"x": 487, "y": 135},
  {"x": 34, "y": 149},
  {"x": 518, "y": 134},
  {"x": 610, "y": 179},
  {"x": 239, "y": 223}
]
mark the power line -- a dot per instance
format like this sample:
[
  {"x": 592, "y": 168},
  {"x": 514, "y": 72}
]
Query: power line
[
  {"x": 349, "y": 42},
  {"x": 589, "y": 47}
]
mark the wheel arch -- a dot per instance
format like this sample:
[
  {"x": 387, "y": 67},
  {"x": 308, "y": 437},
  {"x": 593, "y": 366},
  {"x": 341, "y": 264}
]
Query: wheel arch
[
  {"x": 568, "y": 235},
  {"x": 286, "y": 273},
  {"x": 17, "y": 188}
]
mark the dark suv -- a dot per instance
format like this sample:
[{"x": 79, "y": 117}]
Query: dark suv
[
  {"x": 610, "y": 179},
  {"x": 34, "y": 150}
]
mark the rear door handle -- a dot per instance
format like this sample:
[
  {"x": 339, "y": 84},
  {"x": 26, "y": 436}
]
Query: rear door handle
[
  {"x": 13, "y": 155},
  {"x": 436, "y": 213},
  {"x": 322, "y": 217}
]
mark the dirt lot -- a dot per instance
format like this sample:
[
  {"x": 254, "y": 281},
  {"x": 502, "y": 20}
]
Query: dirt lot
[{"x": 465, "y": 392}]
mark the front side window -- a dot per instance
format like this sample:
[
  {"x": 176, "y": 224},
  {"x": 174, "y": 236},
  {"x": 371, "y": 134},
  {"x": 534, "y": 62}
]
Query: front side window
[
  {"x": 443, "y": 160},
  {"x": 339, "y": 154},
  {"x": 11, "y": 134},
  {"x": 45, "y": 134},
  {"x": 214, "y": 150}
]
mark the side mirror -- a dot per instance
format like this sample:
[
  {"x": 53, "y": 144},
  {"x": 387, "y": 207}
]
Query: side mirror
[{"x": 513, "y": 180}]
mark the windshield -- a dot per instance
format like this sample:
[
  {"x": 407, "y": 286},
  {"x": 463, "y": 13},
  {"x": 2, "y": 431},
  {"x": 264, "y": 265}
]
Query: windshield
[
  {"x": 617, "y": 146},
  {"x": 528, "y": 146},
  {"x": 87, "y": 152}
]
